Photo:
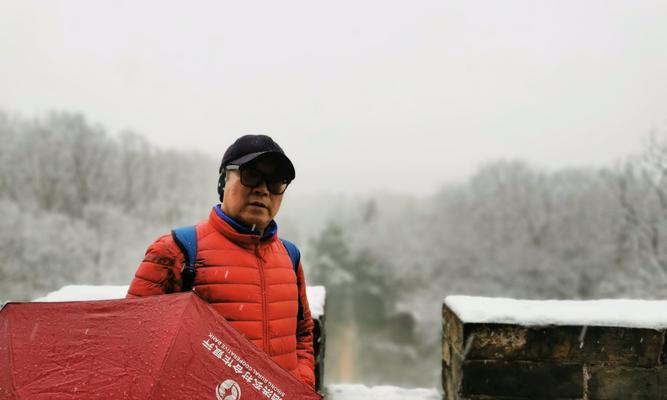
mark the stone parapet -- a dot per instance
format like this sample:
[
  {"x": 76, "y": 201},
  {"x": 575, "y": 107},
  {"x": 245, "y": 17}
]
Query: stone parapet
[{"x": 487, "y": 360}]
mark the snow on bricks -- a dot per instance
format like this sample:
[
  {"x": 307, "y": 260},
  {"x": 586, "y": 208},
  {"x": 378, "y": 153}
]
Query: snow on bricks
[{"x": 527, "y": 349}]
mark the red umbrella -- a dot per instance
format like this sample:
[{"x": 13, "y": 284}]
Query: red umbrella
[{"x": 159, "y": 347}]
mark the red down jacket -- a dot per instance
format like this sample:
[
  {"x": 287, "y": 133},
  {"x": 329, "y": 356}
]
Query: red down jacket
[{"x": 250, "y": 282}]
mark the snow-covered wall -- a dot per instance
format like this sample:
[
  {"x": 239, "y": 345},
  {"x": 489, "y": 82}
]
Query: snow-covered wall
[
  {"x": 520, "y": 349},
  {"x": 316, "y": 295},
  {"x": 609, "y": 312}
]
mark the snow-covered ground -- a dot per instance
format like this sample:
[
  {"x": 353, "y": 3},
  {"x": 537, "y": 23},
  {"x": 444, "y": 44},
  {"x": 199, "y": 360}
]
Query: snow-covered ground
[
  {"x": 648, "y": 314},
  {"x": 361, "y": 392},
  {"x": 316, "y": 295}
]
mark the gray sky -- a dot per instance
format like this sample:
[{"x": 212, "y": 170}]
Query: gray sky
[{"x": 363, "y": 95}]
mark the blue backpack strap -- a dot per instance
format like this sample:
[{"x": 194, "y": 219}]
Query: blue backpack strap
[
  {"x": 186, "y": 239},
  {"x": 295, "y": 256},
  {"x": 294, "y": 253}
]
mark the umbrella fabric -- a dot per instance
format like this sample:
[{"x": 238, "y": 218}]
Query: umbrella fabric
[{"x": 160, "y": 347}]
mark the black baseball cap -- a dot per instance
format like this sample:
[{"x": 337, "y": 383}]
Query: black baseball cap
[{"x": 247, "y": 148}]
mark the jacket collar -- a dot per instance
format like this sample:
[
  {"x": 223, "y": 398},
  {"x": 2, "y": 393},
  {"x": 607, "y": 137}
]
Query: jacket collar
[{"x": 238, "y": 232}]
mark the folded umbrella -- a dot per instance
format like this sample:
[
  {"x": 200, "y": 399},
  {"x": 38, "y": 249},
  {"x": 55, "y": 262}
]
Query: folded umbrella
[{"x": 159, "y": 347}]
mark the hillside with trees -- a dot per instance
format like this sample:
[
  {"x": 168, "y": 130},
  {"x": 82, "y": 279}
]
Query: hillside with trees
[
  {"x": 79, "y": 205},
  {"x": 511, "y": 230}
]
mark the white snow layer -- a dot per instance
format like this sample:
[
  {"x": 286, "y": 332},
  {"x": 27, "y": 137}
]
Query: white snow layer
[
  {"x": 317, "y": 298},
  {"x": 361, "y": 392},
  {"x": 627, "y": 313},
  {"x": 316, "y": 295},
  {"x": 85, "y": 292}
]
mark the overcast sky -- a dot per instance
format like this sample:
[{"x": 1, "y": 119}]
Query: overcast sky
[{"x": 362, "y": 95}]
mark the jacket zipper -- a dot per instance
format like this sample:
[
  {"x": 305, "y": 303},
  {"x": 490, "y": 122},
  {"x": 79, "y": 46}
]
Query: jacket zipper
[{"x": 265, "y": 311}]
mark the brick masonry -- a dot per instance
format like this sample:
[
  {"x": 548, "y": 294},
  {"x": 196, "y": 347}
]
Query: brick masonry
[{"x": 487, "y": 361}]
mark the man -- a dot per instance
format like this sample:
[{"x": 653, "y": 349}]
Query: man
[{"x": 243, "y": 270}]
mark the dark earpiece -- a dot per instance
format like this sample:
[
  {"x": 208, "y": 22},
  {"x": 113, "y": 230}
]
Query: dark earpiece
[{"x": 221, "y": 186}]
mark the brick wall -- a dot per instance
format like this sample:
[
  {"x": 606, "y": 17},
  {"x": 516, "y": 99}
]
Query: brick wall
[{"x": 485, "y": 361}]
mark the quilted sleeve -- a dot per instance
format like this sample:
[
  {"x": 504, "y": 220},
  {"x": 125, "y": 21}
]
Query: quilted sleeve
[{"x": 158, "y": 273}]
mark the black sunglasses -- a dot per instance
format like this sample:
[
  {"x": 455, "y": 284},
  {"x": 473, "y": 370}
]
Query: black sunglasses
[{"x": 251, "y": 177}]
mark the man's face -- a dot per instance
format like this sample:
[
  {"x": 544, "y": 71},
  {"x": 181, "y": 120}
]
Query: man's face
[{"x": 251, "y": 206}]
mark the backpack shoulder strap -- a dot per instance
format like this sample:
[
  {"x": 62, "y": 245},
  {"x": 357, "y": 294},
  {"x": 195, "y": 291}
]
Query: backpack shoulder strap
[
  {"x": 186, "y": 239},
  {"x": 294, "y": 253},
  {"x": 295, "y": 256}
]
